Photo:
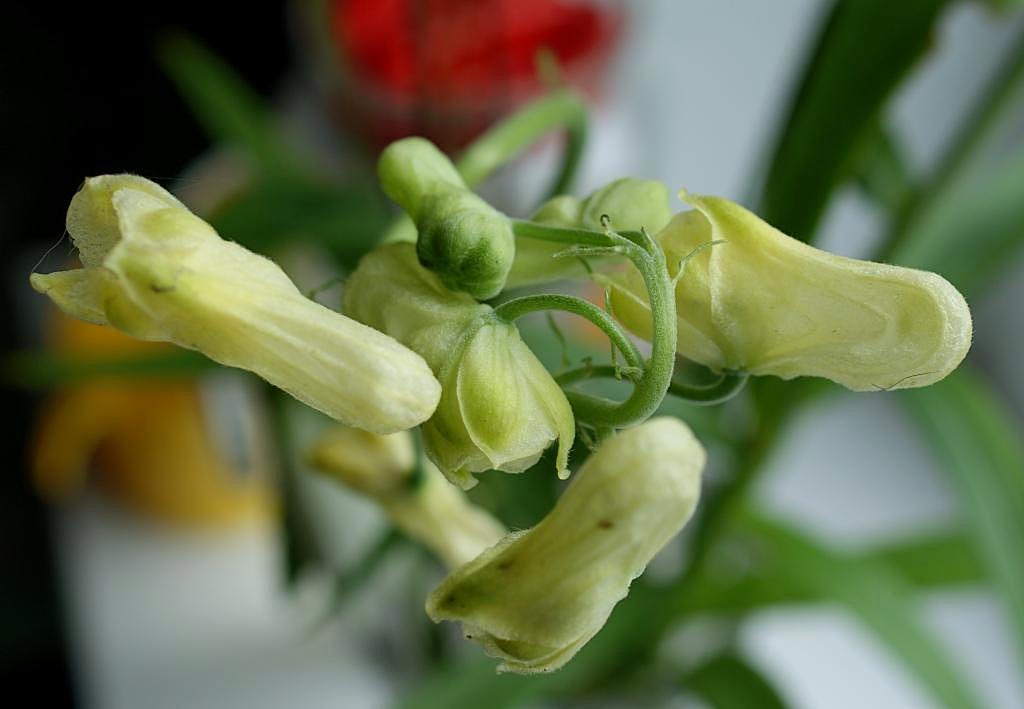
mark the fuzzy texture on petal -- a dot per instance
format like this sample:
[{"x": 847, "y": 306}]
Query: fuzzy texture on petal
[
  {"x": 539, "y": 595},
  {"x": 164, "y": 274},
  {"x": 769, "y": 304},
  {"x": 500, "y": 408}
]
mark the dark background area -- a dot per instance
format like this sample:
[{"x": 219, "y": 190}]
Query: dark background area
[{"x": 82, "y": 94}]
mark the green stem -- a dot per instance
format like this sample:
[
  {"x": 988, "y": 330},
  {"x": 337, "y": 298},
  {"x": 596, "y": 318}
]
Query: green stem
[
  {"x": 649, "y": 259},
  {"x": 561, "y": 235},
  {"x": 728, "y": 385},
  {"x": 563, "y": 108},
  {"x": 519, "y": 307}
]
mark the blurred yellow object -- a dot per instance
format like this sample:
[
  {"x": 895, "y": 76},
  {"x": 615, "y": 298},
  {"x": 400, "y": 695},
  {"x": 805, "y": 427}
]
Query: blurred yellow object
[{"x": 147, "y": 442}]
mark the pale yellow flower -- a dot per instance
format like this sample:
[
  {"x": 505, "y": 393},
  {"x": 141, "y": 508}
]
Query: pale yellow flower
[
  {"x": 538, "y": 596},
  {"x": 157, "y": 272},
  {"x": 500, "y": 408},
  {"x": 766, "y": 303}
]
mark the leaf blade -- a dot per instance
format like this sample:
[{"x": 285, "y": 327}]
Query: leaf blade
[
  {"x": 982, "y": 452},
  {"x": 838, "y": 101},
  {"x": 879, "y": 598}
]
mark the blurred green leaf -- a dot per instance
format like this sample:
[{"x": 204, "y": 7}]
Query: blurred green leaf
[
  {"x": 47, "y": 370},
  {"x": 980, "y": 446},
  {"x": 865, "y": 49},
  {"x": 971, "y": 233},
  {"x": 345, "y": 220},
  {"x": 873, "y": 593},
  {"x": 880, "y": 170},
  {"x": 965, "y": 222},
  {"x": 225, "y": 105},
  {"x": 728, "y": 682},
  {"x": 744, "y": 580}
]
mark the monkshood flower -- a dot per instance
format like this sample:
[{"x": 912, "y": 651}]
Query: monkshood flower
[
  {"x": 424, "y": 506},
  {"x": 539, "y": 595},
  {"x": 155, "y": 271},
  {"x": 464, "y": 240},
  {"x": 763, "y": 302},
  {"x": 629, "y": 205},
  {"x": 500, "y": 408}
]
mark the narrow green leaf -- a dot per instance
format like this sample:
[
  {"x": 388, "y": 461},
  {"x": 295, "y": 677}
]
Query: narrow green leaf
[
  {"x": 980, "y": 447},
  {"x": 953, "y": 214},
  {"x": 728, "y": 682},
  {"x": 225, "y": 105},
  {"x": 743, "y": 580},
  {"x": 873, "y": 593},
  {"x": 865, "y": 49}
]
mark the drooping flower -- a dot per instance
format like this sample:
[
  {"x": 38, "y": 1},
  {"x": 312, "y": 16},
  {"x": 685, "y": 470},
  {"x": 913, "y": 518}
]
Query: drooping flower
[
  {"x": 155, "y": 271},
  {"x": 500, "y": 408},
  {"x": 426, "y": 507},
  {"x": 539, "y": 595},
  {"x": 766, "y": 303}
]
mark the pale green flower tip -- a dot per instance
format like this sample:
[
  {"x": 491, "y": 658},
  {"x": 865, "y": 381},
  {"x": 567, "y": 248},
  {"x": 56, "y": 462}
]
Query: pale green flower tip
[
  {"x": 534, "y": 599},
  {"x": 77, "y": 292},
  {"x": 412, "y": 168},
  {"x": 630, "y": 204}
]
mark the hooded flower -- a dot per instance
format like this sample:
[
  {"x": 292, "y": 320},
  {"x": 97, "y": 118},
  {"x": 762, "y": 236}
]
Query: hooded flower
[
  {"x": 538, "y": 596},
  {"x": 769, "y": 304},
  {"x": 157, "y": 272},
  {"x": 426, "y": 507},
  {"x": 500, "y": 408}
]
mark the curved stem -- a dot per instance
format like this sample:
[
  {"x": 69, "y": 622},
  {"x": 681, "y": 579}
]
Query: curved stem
[
  {"x": 518, "y": 307},
  {"x": 652, "y": 387},
  {"x": 562, "y": 108},
  {"x": 728, "y": 385},
  {"x": 561, "y": 235}
]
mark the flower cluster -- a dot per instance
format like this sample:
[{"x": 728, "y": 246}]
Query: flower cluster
[{"x": 417, "y": 346}]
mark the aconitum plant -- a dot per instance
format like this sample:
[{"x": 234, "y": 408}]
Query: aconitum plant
[{"x": 428, "y": 339}]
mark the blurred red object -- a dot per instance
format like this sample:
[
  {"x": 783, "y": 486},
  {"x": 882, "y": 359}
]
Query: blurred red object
[{"x": 447, "y": 69}]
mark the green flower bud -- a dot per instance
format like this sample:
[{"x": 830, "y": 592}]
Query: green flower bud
[
  {"x": 465, "y": 241},
  {"x": 157, "y": 272},
  {"x": 500, "y": 409},
  {"x": 426, "y": 508},
  {"x": 769, "y": 304},
  {"x": 411, "y": 168},
  {"x": 630, "y": 204},
  {"x": 538, "y": 596},
  {"x": 535, "y": 260},
  {"x": 564, "y": 211}
]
